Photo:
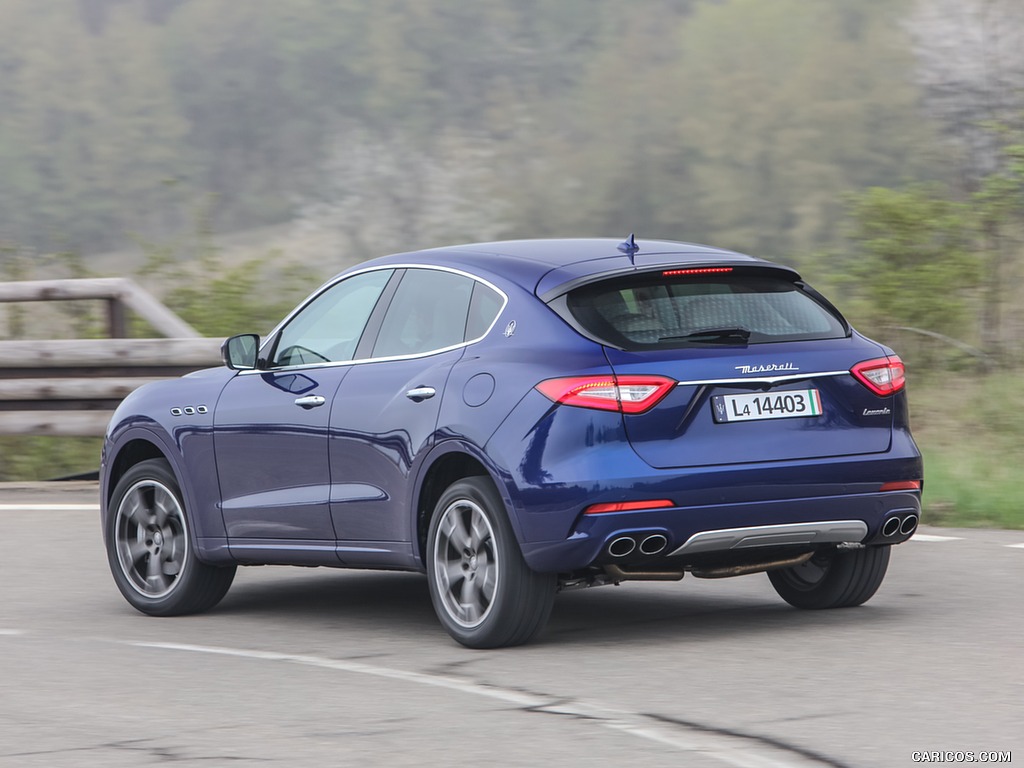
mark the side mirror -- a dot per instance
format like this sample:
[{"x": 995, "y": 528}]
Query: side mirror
[{"x": 240, "y": 352}]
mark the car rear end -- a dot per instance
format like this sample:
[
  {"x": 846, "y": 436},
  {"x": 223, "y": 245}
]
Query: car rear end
[{"x": 738, "y": 424}]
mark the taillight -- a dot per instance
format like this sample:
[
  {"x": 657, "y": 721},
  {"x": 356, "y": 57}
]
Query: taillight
[
  {"x": 628, "y": 394},
  {"x": 628, "y": 506},
  {"x": 883, "y": 375}
]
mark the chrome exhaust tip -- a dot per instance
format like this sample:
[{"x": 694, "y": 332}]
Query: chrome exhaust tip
[
  {"x": 653, "y": 544},
  {"x": 621, "y": 546},
  {"x": 891, "y": 526},
  {"x": 909, "y": 525}
]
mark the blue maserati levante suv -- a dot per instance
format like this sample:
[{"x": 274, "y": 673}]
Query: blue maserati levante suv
[{"x": 519, "y": 418}]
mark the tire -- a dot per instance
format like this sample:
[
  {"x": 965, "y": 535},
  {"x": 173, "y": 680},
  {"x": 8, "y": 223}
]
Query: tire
[
  {"x": 483, "y": 592},
  {"x": 150, "y": 549},
  {"x": 833, "y": 579}
]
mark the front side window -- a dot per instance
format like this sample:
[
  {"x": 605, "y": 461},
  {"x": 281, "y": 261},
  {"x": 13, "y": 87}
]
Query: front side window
[
  {"x": 660, "y": 311},
  {"x": 327, "y": 330},
  {"x": 428, "y": 312}
]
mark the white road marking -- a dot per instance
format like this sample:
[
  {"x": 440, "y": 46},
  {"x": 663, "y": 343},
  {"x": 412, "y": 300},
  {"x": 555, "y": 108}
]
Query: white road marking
[
  {"x": 930, "y": 537},
  {"x": 737, "y": 750},
  {"x": 49, "y": 507},
  {"x": 1016, "y": 546},
  {"x": 8, "y": 632}
]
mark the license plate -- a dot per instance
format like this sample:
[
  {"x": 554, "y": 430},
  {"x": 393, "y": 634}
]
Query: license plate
[{"x": 766, "y": 405}]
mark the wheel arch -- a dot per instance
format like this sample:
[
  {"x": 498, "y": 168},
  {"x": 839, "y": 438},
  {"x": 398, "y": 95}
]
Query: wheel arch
[
  {"x": 448, "y": 463},
  {"x": 135, "y": 451}
]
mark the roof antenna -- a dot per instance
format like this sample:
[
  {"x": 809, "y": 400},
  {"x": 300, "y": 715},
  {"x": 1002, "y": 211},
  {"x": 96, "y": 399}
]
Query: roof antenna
[{"x": 629, "y": 247}]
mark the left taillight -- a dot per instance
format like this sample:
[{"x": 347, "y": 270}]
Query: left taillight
[
  {"x": 627, "y": 394},
  {"x": 883, "y": 375}
]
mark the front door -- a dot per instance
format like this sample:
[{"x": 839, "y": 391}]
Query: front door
[{"x": 271, "y": 424}]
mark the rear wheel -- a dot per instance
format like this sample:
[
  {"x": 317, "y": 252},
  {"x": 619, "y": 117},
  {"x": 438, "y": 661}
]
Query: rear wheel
[
  {"x": 150, "y": 550},
  {"x": 483, "y": 591},
  {"x": 833, "y": 579}
]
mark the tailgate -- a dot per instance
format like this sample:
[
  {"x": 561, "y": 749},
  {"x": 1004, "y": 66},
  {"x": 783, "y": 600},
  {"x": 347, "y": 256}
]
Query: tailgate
[{"x": 772, "y": 402}]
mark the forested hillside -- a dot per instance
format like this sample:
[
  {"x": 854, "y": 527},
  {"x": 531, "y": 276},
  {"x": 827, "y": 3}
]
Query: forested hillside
[{"x": 423, "y": 121}]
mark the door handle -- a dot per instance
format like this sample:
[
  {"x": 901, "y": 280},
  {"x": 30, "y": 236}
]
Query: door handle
[
  {"x": 310, "y": 401},
  {"x": 419, "y": 394}
]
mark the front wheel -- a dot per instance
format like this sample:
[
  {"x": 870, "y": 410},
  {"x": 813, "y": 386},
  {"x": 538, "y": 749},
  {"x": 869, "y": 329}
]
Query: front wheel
[
  {"x": 150, "y": 550},
  {"x": 833, "y": 579},
  {"x": 483, "y": 591}
]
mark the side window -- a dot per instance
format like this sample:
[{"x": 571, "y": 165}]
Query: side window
[
  {"x": 428, "y": 312},
  {"x": 486, "y": 305},
  {"x": 327, "y": 329}
]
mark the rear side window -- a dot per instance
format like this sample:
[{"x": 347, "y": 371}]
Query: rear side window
[
  {"x": 658, "y": 311},
  {"x": 429, "y": 312},
  {"x": 483, "y": 309}
]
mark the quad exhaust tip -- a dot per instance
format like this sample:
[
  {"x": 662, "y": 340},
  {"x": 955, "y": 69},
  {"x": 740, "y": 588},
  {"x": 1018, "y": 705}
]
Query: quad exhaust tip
[
  {"x": 653, "y": 544},
  {"x": 621, "y": 546},
  {"x": 899, "y": 525},
  {"x": 645, "y": 544}
]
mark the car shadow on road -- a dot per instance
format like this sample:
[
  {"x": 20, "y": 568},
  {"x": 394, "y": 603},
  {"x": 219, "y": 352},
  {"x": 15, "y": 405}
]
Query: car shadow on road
[
  {"x": 652, "y": 614},
  {"x": 305, "y": 595},
  {"x": 399, "y": 603}
]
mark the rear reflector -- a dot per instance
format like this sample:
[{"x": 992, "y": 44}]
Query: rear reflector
[
  {"x": 627, "y": 394},
  {"x": 902, "y": 485},
  {"x": 695, "y": 271},
  {"x": 627, "y": 506},
  {"x": 883, "y": 375}
]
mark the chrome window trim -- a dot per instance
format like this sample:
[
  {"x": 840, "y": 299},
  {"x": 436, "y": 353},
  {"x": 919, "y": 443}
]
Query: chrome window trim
[
  {"x": 362, "y": 361},
  {"x": 763, "y": 379}
]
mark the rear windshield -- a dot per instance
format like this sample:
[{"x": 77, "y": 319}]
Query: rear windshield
[{"x": 651, "y": 312}]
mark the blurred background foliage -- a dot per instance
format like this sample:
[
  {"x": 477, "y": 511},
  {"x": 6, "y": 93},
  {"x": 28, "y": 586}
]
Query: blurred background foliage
[{"x": 876, "y": 145}]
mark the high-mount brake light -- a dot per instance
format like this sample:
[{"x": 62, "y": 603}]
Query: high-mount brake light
[
  {"x": 883, "y": 376},
  {"x": 628, "y": 506},
  {"x": 696, "y": 271},
  {"x": 627, "y": 394}
]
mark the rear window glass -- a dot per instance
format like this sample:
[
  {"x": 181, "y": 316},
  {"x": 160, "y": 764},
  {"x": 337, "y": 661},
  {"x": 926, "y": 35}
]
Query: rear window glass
[{"x": 659, "y": 311}]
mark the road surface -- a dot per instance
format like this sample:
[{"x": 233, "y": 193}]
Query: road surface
[{"x": 320, "y": 667}]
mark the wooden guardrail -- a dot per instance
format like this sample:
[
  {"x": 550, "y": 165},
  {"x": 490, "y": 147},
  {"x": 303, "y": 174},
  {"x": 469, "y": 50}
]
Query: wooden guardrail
[
  {"x": 119, "y": 293},
  {"x": 70, "y": 387}
]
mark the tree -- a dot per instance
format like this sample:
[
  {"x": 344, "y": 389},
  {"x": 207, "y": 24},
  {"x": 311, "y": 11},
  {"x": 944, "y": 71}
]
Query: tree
[
  {"x": 89, "y": 134},
  {"x": 970, "y": 65},
  {"x": 384, "y": 192},
  {"x": 916, "y": 264},
  {"x": 781, "y": 108}
]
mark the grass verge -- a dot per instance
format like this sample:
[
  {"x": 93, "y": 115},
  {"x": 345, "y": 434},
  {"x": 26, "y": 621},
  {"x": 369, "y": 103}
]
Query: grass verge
[{"x": 971, "y": 433}]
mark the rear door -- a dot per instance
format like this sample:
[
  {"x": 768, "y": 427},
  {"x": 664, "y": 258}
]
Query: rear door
[
  {"x": 385, "y": 413},
  {"x": 763, "y": 366}
]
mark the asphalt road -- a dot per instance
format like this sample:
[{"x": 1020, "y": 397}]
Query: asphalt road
[{"x": 315, "y": 667}]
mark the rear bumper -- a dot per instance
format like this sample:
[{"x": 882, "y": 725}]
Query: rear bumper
[
  {"x": 729, "y": 531},
  {"x": 552, "y": 463}
]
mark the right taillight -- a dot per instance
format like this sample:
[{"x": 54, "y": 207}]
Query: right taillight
[{"x": 883, "y": 375}]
